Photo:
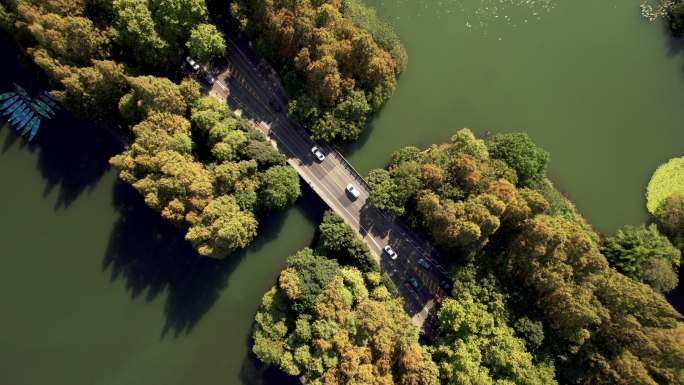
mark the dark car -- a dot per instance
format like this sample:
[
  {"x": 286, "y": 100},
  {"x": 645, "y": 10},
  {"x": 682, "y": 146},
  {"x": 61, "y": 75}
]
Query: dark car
[
  {"x": 413, "y": 281},
  {"x": 422, "y": 262},
  {"x": 208, "y": 78}
]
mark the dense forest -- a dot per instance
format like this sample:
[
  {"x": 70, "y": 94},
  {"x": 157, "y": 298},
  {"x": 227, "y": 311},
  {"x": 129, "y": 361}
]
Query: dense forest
[
  {"x": 339, "y": 62},
  {"x": 113, "y": 62},
  {"x": 530, "y": 272},
  {"x": 332, "y": 319}
]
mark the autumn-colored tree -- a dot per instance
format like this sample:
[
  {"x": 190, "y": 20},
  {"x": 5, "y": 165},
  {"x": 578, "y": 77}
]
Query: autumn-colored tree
[
  {"x": 338, "y": 72},
  {"x": 335, "y": 325}
]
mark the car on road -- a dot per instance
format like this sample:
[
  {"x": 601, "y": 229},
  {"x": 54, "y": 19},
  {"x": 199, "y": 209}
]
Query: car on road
[
  {"x": 208, "y": 78},
  {"x": 390, "y": 252},
  {"x": 413, "y": 281},
  {"x": 317, "y": 153},
  {"x": 352, "y": 191},
  {"x": 192, "y": 64},
  {"x": 422, "y": 262}
]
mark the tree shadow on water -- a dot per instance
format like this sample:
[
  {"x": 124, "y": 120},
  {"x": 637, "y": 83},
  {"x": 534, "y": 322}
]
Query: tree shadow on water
[
  {"x": 72, "y": 154},
  {"x": 153, "y": 258}
]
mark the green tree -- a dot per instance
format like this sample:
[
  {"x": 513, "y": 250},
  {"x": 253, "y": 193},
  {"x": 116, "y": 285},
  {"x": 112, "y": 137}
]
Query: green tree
[
  {"x": 677, "y": 19},
  {"x": 206, "y": 42},
  {"x": 519, "y": 152},
  {"x": 339, "y": 240},
  {"x": 382, "y": 191},
  {"x": 174, "y": 19},
  {"x": 136, "y": 30},
  {"x": 670, "y": 217},
  {"x": 668, "y": 179},
  {"x": 93, "y": 92},
  {"x": 333, "y": 325},
  {"x": 153, "y": 94},
  {"x": 642, "y": 253},
  {"x": 222, "y": 227},
  {"x": 70, "y": 38},
  {"x": 279, "y": 187}
]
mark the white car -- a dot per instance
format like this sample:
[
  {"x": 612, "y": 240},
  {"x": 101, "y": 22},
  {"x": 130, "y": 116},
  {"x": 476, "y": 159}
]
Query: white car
[
  {"x": 193, "y": 64},
  {"x": 355, "y": 194},
  {"x": 317, "y": 153},
  {"x": 390, "y": 252}
]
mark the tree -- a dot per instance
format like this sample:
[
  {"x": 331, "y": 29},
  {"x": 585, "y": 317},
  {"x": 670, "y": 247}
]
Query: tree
[
  {"x": 474, "y": 347},
  {"x": 222, "y": 227},
  {"x": 205, "y": 43},
  {"x": 135, "y": 29},
  {"x": 668, "y": 179},
  {"x": 93, "y": 92},
  {"x": 642, "y": 253},
  {"x": 519, "y": 152},
  {"x": 70, "y": 38},
  {"x": 338, "y": 240},
  {"x": 595, "y": 314},
  {"x": 264, "y": 153},
  {"x": 279, "y": 187},
  {"x": 153, "y": 94},
  {"x": 332, "y": 325},
  {"x": 382, "y": 191},
  {"x": 670, "y": 217},
  {"x": 175, "y": 18},
  {"x": 677, "y": 19}
]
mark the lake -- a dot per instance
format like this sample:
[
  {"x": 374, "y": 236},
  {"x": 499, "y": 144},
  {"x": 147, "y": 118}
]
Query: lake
[
  {"x": 590, "y": 81},
  {"x": 95, "y": 288}
]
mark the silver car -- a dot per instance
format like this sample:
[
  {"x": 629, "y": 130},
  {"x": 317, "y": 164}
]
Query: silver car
[
  {"x": 390, "y": 252},
  {"x": 317, "y": 153},
  {"x": 352, "y": 191},
  {"x": 192, "y": 64}
]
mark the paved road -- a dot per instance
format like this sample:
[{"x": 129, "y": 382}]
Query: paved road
[{"x": 251, "y": 86}]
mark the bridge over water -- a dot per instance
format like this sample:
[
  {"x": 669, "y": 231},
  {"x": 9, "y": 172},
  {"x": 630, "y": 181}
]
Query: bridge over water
[{"x": 250, "y": 86}]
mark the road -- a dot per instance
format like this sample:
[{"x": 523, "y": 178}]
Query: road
[{"x": 250, "y": 86}]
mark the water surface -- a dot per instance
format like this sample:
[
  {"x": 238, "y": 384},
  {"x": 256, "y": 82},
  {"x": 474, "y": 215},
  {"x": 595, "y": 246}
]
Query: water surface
[
  {"x": 588, "y": 80},
  {"x": 96, "y": 288}
]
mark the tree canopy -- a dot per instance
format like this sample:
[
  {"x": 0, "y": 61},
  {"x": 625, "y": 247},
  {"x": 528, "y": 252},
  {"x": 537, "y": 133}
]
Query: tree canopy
[
  {"x": 339, "y": 62},
  {"x": 668, "y": 179},
  {"x": 644, "y": 254},
  {"x": 336, "y": 325}
]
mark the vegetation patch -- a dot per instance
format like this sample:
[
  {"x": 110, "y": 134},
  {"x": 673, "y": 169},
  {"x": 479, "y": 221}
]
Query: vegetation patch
[
  {"x": 338, "y": 61},
  {"x": 668, "y": 179}
]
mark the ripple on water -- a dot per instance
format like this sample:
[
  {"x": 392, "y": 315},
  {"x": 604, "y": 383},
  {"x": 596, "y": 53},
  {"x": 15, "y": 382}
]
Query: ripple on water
[{"x": 480, "y": 15}]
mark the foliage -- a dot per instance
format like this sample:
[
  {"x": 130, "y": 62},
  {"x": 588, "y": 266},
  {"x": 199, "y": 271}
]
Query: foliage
[
  {"x": 668, "y": 179},
  {"x": 455, "y": 191},
  {"x": 366, "y": 18},
  {"x": 222, "y": 227},
  {"x": 474, "y": 343},
  {"x": 334, "y": 325},
  {"x": 592, "y": 310},
  {"x": 339, "y": 239},
  {"x": 520, "y": 153},
  {"x": 337, "y": 72},
  {"x": 568, "y": 308},
  {"x": 206, "y": 42},
  {"x": 279, "y": 187},
  {"x": 643, "y": 253},
  {"x": 670, "y": 217},
  {"x": 677, "y": 19},
  {"x": 189, "y": 157}
]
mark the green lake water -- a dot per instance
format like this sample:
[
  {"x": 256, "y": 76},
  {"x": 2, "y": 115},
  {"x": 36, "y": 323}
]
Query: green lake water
[
  {"x": 590, "y": 81},
  {"x": 96, "y": 289}
]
